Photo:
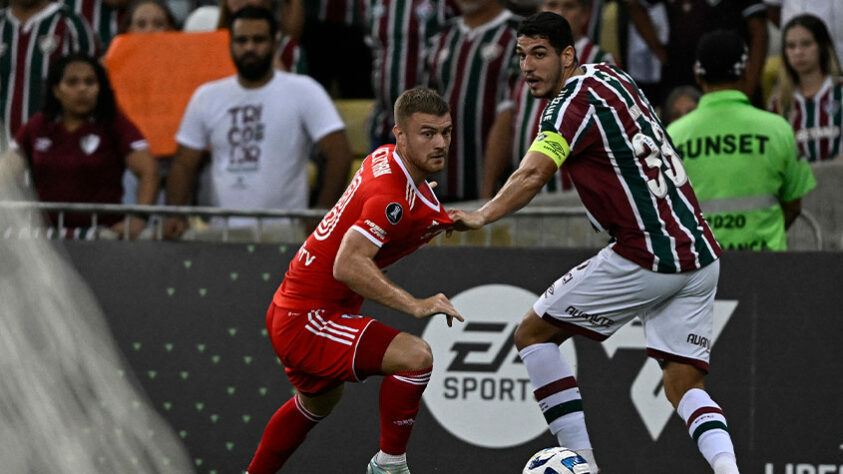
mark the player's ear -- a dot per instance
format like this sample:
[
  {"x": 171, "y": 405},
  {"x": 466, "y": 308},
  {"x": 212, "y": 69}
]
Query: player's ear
[
  {"x": 569, "y": 56},
  {"x": 396, "y": 130}
]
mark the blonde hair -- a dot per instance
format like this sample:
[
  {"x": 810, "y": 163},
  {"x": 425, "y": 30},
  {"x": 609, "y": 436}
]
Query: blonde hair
[{"x": 419, "y": 100}]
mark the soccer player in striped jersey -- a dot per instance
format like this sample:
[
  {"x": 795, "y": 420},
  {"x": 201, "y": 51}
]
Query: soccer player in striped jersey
[
  {"x": 398, "y": 33},
  {"x": 662, "y": 266},
  {"x": 32, "y": 34},
  {"x": 524, "y": 120},
  {"x": 810, "y": 92},
  {"x": 471, "y": 63}
]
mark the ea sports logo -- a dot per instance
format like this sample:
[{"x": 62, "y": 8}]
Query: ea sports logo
[{"x": 479, "y": 390}]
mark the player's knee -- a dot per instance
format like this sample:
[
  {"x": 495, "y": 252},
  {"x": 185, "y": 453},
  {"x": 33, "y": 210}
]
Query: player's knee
[
  {"x": 419, "y": 356},
  {"x": 679, "y": 378}
]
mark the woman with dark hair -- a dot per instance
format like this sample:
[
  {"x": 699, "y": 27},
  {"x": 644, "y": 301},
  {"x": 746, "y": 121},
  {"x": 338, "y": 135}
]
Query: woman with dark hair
[
  {"x": 148, "y": 16},
  {"x": 79, "y": 145},
  {"x": 810, "y": 88}
]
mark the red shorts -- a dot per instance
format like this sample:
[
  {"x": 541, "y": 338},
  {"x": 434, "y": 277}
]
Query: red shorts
[{"x": 321, "y": 349}]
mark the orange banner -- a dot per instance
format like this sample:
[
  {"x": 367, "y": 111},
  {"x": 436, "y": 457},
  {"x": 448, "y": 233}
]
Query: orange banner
[{"x": 154, "y": 76}]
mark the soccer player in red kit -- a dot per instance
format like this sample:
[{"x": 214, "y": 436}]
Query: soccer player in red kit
[{"x": 388, "y": 211}]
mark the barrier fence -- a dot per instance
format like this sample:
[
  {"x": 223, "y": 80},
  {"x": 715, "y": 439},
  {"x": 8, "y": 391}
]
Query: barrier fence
[{"x": 543, "y": 226}]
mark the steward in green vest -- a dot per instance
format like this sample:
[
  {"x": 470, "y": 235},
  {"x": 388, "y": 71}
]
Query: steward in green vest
[{"x": 741, "y": 160}]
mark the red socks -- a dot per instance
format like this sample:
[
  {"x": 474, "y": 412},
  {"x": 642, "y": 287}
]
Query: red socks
[
  {"x": 400, "y": 398},
  {"x": 283, "y": 434}
]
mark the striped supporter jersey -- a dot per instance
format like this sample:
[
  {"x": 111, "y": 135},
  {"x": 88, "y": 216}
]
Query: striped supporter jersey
[
  {"x": 529, "y": 109},
  {"x": 818, "y": 121},
  {"x": 627, "y": 172},
  {"x": 398, "y": 32},
  {"x": 475, "y": 71},
  {"x": 103, "y": 18},
  {"x": 26, "y": 51},
  {"x": 347, "y": 12}
]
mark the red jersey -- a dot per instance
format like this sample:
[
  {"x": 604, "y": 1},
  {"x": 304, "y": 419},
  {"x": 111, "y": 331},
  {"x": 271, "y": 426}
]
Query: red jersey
[
  {"x": 383, "y": 205},
  {"x": 85, "y": 165}
]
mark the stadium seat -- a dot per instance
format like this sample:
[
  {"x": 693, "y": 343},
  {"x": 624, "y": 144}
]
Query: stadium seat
[{"x": 355, "y": 113}]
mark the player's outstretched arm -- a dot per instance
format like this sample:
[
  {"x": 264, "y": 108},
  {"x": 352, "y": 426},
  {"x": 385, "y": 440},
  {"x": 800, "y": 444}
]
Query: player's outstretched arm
[
  {"x": 355, "y": 266},
  {"x": 535, "y": 169}
]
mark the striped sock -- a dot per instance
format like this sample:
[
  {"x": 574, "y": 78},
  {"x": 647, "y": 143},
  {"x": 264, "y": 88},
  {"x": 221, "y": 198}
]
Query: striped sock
[
  {"x": 283, "y": 434},
  {"x": 707, "y": 426},
  {"x": 556, "y": 390},
  {"x": 400, "y": 398}
]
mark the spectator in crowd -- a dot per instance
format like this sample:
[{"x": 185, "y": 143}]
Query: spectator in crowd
[
  {"x": 830, "y": 11},
  {"x": 522, "y": 122},
  {"x": 399, "y": 32},
  {"x": 259, "y": 126},
  {"x": 687, "y": 21},
  {"x": 741, "y": 160},
  {"x": 34, "y": 33},
  {"x": 145, "y": 16},
  {"x": 290, "y": 56},
  {"x": 103, "y": 16},
  {"x": 680, "y": 101},
  {"x": 472, "y": 64},
  {"x": 79, "y": 144},
  {"x": 810, "y": 88},
  {"x": 328, "y": 23},
  {"x": 148, "y": 16}
]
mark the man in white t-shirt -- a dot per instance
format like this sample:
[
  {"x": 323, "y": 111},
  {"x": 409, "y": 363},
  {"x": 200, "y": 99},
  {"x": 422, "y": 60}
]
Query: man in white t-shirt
[{"x": 259, "y": 127}]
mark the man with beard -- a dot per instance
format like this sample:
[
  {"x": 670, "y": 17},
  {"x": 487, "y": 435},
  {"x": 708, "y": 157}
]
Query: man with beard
[
  {"x": 387, "y": 212},
  {"x": 662, "y": 264},
  {"x": 258, "y": 126}
]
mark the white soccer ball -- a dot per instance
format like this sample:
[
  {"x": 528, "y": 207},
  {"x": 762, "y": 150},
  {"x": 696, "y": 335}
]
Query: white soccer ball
[{"x": 556, "y": 460}]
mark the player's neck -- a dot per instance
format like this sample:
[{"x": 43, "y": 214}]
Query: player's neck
[
  {"x": 24, "y": 13},
  {"x": 811, "y": 82},
  {"x": 417, "y": 175},
  {"x": 567, "y": 73},
  {"x": 480, "y": 18}
]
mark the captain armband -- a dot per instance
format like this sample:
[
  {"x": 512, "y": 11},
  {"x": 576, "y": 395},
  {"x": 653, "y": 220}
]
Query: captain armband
[{"x": 553, "y": 145}]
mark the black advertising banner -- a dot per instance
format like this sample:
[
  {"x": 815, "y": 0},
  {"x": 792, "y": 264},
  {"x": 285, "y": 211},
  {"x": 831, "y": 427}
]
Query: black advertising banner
[{"x": 190, "y": 320}]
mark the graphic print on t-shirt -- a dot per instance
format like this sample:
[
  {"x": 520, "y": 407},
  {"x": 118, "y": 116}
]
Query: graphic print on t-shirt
[{"x": 245, "y": 136}]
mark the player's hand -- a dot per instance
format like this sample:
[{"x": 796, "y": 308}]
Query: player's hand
[
  {"x": 466, "y": 220},
  {"x": 437, "y": 304},
  {"x": 173, "y": 227}
]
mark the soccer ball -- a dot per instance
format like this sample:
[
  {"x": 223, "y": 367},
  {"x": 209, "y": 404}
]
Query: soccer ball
[{"x": 556, "y": 460}]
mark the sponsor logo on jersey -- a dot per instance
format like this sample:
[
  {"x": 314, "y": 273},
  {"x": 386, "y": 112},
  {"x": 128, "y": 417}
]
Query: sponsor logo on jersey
[
  {"x": 376, "y": 230},
  {"x": 89, "y": 143},
  {"x": 490, "y": 52},
  {"x": 480, "y": 371},
  {"x": 380, "y": 163},
  {"x": 47, "y": 44},
  {"x": 394, "y": 212},
  {"x": 42, "y": 144},
  {"x": 329, "y": 222}
]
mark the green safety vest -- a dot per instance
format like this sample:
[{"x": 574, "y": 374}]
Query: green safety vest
[{"x": 742, "y": 163}]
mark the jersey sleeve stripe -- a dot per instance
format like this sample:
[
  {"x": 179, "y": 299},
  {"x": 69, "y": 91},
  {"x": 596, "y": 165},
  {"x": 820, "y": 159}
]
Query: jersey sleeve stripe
[{"x": 368, "y": 235}]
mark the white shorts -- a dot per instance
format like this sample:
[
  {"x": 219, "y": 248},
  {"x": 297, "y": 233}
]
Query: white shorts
[{"x": 606, "y": 291}]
